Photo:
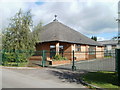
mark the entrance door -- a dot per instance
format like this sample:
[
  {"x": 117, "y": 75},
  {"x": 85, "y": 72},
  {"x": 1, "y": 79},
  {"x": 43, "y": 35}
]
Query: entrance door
[
  {"x": 61, "y": 51},
  {"x": 52, "y": 51}
]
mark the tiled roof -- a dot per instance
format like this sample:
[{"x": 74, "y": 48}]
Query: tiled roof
[{"x": 56, "y": 31}]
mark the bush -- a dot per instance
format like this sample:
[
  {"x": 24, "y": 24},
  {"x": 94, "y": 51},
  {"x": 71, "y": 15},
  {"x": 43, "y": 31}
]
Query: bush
[
  {"x": 59, "y": 57},
  {"x": 14, "y": 57}
]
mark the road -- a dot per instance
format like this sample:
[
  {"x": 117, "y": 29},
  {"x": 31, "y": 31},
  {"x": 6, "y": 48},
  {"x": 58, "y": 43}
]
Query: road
[
  {"x": 49, "y": 78},
  {"x": 34, "y": 78},
  {"x": 107, "y": 64}
]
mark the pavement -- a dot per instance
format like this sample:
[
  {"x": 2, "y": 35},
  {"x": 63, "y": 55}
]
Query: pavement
[{"x": 38, "y": 78}]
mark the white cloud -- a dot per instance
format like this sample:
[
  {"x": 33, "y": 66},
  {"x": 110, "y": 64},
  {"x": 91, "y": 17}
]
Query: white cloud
[
  {"x": 101, "y": 39},
  {"x": 8, "y": 10},
  {"x": 87, "y": 17}
]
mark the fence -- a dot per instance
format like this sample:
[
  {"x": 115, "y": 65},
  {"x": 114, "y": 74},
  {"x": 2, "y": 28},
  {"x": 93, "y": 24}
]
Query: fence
[
  {"x": 15, "y": 57},
  {"x": 91, "y": 61},
  {"x": 97, "y": 60}
]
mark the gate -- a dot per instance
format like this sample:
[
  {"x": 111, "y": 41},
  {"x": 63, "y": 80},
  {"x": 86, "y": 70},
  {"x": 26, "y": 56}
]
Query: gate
[{"x": 39, "y": 59}]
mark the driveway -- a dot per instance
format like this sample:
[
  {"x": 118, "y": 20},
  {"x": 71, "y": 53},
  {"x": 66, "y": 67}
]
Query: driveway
[
  {"x": 106, "y": 64},
  {"x": 38, "y": 78}
]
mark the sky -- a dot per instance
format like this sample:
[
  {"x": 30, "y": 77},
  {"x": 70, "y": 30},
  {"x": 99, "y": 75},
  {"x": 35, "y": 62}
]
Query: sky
[{"x": 89, "y": 17}]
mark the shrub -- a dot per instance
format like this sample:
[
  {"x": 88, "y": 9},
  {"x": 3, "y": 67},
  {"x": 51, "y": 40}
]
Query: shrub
[
  {"x": 59, "y": 57},
  {"x": 14, "y": 57}
]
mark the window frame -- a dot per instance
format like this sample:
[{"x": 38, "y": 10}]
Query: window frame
[{"x": 78, "y": 48}]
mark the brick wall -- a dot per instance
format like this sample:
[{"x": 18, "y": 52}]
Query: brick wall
[
  {"x": 99, "y": 52},
  {"x": 68, "y": 48},
  {"x": 81, "y": 55}
]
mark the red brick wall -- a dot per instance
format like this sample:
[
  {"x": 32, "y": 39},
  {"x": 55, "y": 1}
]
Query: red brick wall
[
  {"x": 61, "y": 62},
  {"x": 82, "y": 55},
  {"x": 99, "y": 52},
  {"x": 43, "y": 46},
  {"x": 35, "y": 58},
  {"x": 68, "y": 48}
]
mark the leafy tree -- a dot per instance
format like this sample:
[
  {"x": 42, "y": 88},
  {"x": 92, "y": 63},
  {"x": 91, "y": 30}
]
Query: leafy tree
[
  {"x": 18, "y": 39},
  {"x": 94, "y": 38},
  {"x": 36, "y": 30}
]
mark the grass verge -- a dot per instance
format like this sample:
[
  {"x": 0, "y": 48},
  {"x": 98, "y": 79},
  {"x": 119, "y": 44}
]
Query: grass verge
[
  {"x": 102, "y": 79},
  {"x": 14, "y": 64}
]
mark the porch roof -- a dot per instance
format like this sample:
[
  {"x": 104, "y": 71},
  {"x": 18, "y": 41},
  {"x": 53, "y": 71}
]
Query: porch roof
[{"x": 56, "y": 31}]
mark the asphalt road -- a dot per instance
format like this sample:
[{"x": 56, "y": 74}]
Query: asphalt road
[
  {"x": 107, "y": 64},
  {"x": 52, "y": 78},
  {"x": 34, "y": 78}
]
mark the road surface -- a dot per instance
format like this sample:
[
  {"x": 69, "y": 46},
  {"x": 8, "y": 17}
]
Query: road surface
[{"x": 33, "y": 78}]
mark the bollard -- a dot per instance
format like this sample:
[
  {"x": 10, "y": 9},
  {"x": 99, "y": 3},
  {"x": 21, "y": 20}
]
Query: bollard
[
  {"x": 43, "y": 58},
  {"x": 73, "y": 66}
]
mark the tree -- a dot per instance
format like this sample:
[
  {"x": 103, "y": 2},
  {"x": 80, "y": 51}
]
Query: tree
[
  {"x": 94, "y": 38},
  {"x": 36, "y": 30},
  {"x": 18, "y": 37}
]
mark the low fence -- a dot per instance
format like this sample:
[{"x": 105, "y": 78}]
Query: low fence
[
  {"x": 91, "y": 61},
  {"x": 97, "y": 60}
]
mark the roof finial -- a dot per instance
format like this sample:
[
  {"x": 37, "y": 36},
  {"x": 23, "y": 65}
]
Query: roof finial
[{"x": 55, "y": 18}]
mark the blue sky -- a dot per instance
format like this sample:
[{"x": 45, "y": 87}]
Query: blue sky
[
  {"x": 90, "y": 17},
  {"x": 39, "y": 3}
]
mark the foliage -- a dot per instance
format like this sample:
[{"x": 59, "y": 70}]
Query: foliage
[
  {"x": 19, "y": 36},
  {"x": 59, "y": 57},
  {"x": 94, "y": 38},
  {"x": 102, "y": 79},
  {"x": 12, "y": 57},
  {"x": 36, "y": 30}
]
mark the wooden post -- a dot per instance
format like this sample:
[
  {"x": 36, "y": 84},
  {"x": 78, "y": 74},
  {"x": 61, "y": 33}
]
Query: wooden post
[
  {"x": 57, "y": 48},
  {"x": 72, "y": 49},
  {"x": 86, "y": 55}
]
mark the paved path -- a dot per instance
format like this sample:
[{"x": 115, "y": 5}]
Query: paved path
[
  {"x": 107, "y": 64},
  {"x": 34, "y": 78}
]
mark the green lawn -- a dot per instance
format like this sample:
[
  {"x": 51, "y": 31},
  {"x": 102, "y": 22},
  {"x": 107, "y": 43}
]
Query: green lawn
[
  {"x": 14, "y": 64},
  {"x": 108, "y": 56},
  {"x": 102, "y": 79}
]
